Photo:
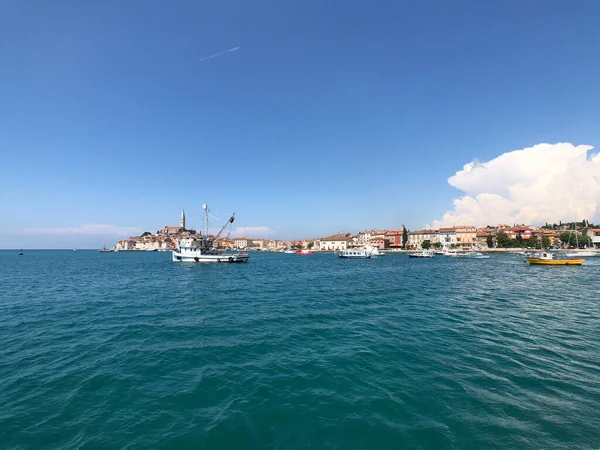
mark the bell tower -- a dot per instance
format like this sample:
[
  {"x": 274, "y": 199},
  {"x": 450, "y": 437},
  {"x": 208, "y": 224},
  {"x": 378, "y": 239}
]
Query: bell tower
[{"x": 182, "y": 219}]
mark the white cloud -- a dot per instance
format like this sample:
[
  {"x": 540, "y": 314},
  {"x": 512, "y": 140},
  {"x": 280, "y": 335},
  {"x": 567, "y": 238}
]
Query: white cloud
[
  {"x": 256, "y": 232},
  {"x": 543, "y": 183},
  {"x": 90, "y": 230}
]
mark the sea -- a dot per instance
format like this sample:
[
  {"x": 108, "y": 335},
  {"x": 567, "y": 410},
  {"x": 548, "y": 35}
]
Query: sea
[{"x": 134, "y": 351}]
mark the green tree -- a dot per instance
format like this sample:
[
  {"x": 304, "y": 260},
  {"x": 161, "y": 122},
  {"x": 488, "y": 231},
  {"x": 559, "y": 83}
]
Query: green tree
[
  {"x": 490, "y": 241},
  {"x": 437, "y": 245},
  {"x": 519, "y": 240},
  {"x": 503, "y": 240},
  {"x": 146, "y": 233},
  {"x": 310, "y": 245},
  {"x": 404, "y": 237},
  {"x": 426, "y": 245}
]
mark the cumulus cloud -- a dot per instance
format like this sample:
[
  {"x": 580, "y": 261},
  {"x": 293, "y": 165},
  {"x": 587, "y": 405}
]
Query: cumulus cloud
[
  {"x": 252, "y": 232},
  {"x": 90, "y": 230},
  {"x": 543, "y": 183}
]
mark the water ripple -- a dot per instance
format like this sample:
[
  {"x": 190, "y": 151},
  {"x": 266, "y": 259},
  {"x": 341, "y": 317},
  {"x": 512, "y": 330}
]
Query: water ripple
[{"x": 131, "y": 351}]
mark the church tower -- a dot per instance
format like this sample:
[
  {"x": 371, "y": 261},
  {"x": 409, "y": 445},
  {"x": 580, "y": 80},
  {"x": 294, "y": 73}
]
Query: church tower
[{"x": 182, "y": 219}]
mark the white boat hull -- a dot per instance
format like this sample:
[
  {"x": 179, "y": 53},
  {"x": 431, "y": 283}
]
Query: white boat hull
[{"x": 582, "y": 253}]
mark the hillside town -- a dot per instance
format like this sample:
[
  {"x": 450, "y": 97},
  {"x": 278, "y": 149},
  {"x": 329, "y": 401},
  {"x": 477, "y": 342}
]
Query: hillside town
[{"x": 465, "y": 237}]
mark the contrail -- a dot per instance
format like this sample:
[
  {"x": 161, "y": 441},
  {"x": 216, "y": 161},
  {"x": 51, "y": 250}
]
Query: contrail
[{"x": 233, "y": 49}]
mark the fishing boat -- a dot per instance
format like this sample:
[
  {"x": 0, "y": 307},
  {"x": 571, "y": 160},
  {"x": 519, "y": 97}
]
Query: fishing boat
[
  {"x": 355, "y": 253},
  {"x": 423, "y": 254},
  {"x": 21, "y": 253},
  {"x": 202, "y": 251},
  {"x": 105, "y": 250},
  {"x": 544, "y": 258},
  {"x": 304, "y": 252},
  {"x": 549, "y": 259}
]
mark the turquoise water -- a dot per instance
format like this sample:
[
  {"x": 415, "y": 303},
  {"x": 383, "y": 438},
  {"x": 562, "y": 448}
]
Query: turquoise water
[{"x": 130, "y": 350}]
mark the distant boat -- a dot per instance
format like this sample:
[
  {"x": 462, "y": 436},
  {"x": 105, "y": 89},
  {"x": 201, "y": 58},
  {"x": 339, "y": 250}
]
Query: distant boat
[
  {"x": 290, "y": 251},
  {"x": 549, "y": 259},
  {"x": 355, "y": 253},
  {"x": 21, "y": 252},
  {"x": 304, "y": 252},
  {"x": 373, "y": 251},
  {"x": 423, "y": 254},
  {"x": 476, "y": 255},
  {"x": 202, "y": 250},
  {"x": 105, "y": 250},
  {"x": 579, "y": 253}
]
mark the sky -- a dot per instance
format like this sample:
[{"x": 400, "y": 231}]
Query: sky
[{"x": 304, "y": 118}]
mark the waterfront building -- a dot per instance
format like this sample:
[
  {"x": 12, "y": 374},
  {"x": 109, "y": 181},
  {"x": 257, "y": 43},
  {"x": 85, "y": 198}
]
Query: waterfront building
[
  {"x": 241, "y": 243},
  {"x": 380, "y": 242},
  {"x": 395, "y": 238},
  {"x": 337, "y": 242},
  {"x": 481, "y": 237},
  {"x": 447, "y": 237},
  {"x": 594, "y": 235},
  {"x": 416, "y": 238},
  {"x": 465, "y": 236}
]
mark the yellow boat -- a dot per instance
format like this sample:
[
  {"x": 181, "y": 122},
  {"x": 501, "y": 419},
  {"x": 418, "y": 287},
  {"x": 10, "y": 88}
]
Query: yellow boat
[
  {"x": 549, "y": 259},
  {"x": 556, "y": 262}
]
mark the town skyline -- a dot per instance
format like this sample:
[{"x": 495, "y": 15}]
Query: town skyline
[{"x": 444, "y": 114}]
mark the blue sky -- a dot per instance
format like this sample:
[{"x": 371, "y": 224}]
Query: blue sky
[{"x": 331, "y": 116}]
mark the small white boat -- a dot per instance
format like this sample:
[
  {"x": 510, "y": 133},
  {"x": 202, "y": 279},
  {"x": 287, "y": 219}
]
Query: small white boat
[
  {"x": 475, "y": 255},
  {"x": 374, "y": 251},
  {"x": 423, "y": 254},
  {"x": 355, "y": 253},
  {"x": 582, "y": 253},
  {"x": 290, "y": 252},
  {"x": 201, "y": 250}
]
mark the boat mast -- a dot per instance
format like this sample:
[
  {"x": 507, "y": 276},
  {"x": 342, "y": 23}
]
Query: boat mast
[{"x": 205, "y": 208}]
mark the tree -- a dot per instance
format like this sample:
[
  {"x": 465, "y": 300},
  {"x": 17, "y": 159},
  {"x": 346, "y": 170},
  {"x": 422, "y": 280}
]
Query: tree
[
  {"x": 437, "y": 245},
  {"x": 146, "y": 233},
  {"x": 404, "y": 236},
  {"x": 426, "y": 245},
  {"x": 503, "y": 240},
  {"x": 310, "y": 245},
  {"x": 490, "y": 241}
]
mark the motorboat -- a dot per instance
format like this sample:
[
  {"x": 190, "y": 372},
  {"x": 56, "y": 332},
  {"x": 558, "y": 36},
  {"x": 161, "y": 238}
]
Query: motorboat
[
  {"x": 550, "y": 259},
  {"x": 304, "y": 252},
  {"x": 355, "y": 253},
  {"x": 423, "y": 254}
]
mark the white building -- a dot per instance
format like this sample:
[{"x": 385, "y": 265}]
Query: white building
[
  {"x": 416, "y": 238},
  {"x": 594, "y": 235},
  {"x": 240, "y": 243},
  {"x": 337, "y": 242},
  {"x": 447, "y": 237}
]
